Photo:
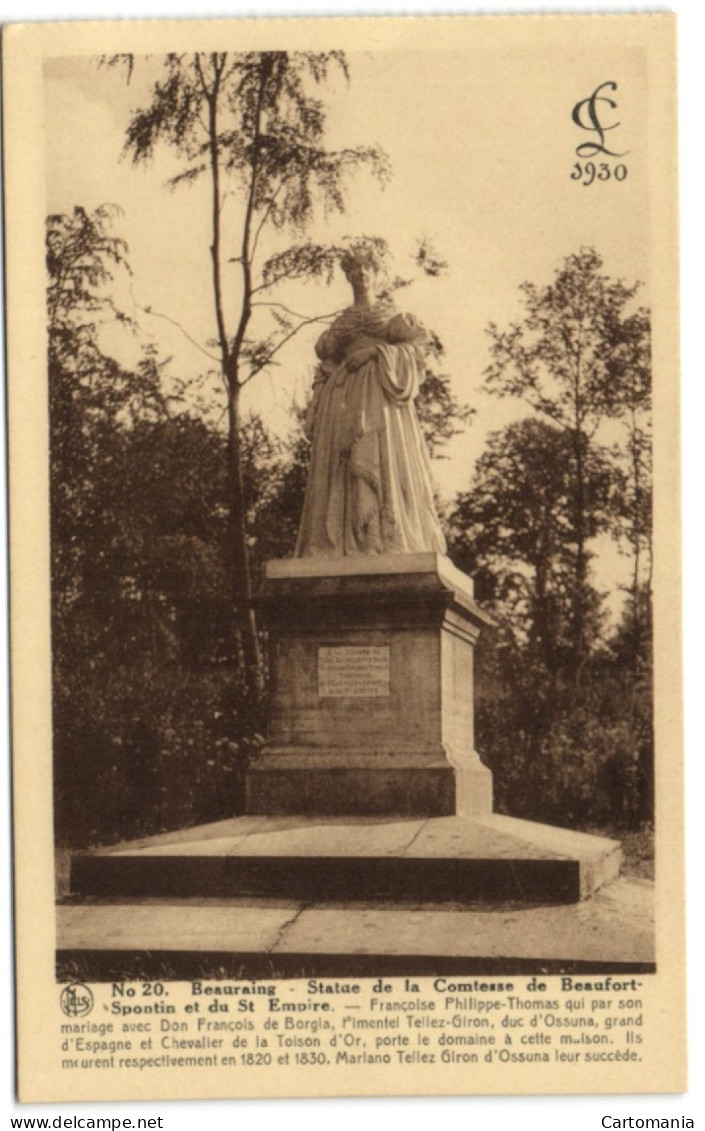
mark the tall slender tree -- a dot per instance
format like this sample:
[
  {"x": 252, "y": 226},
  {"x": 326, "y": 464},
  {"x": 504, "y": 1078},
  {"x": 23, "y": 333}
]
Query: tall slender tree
[
  {"x": 253, "y": 125},
  {"x": 632, "y": 405},
  {"x": 567, "y": 361}
]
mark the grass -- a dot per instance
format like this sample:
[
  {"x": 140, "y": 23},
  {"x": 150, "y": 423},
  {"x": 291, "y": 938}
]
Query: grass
[{"x": 638, "y": 849}]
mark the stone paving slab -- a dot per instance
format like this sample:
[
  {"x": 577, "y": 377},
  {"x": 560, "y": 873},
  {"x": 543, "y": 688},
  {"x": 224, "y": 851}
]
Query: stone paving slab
[
  {"x": 320, "y": 836},
  {"x": 547, "y": 838},
  {"x": 496, "y": 837},
  {"x": 233, "y": 830},
  {"x": 615, "y": 926},
  {"x": 597, "y": 929},
  {"x": 292, "y": 836},
  {"x": 214, "y": 830},
  {"x": 175, "y": 927}
]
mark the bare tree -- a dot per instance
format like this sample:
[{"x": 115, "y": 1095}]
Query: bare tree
[{"x": 253, "y": 125}]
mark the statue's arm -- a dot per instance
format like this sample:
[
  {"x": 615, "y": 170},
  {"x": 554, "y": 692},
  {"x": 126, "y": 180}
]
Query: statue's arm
[
  {"x": 360, "y": 355},
  {"x": 405, "y": 329},
  {"x": 401, "y": 369},
  {"x": 323, "y": 372}
]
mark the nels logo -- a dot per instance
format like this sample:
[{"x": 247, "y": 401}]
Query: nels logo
[{"x": 76, "y": 1000}]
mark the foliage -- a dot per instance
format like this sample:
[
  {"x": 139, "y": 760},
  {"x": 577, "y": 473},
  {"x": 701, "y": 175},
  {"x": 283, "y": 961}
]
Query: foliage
[
  {"x": 569, "y": 358},
  {"x": 81, "y": 254},
  {"x": 579, "y": 759},
  {"x": 154, "y": 718},
  {"x": 143, "y": 747},
  {"x": 564, "y": 704},
  {"x": 253, "y": 125},
  {"x": 136, "y": 563},
  {"x": 578, "y": 358},
  {"x": 441, "y": 415},
  {"x": 514, "y": 531}
]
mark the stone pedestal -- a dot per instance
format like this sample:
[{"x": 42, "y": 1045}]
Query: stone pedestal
[
  {"x": 371, "y": 689},
  {"x": 369, "y": 788}
]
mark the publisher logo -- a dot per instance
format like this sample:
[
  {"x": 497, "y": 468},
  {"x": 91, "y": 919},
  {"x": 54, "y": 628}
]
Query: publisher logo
[
  {"x": 76, "y": 1000},
  {"x": 595, "y": 114}
]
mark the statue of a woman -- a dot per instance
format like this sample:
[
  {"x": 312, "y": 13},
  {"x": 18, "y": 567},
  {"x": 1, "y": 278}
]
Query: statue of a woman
[{"x": 369, "y": 489}]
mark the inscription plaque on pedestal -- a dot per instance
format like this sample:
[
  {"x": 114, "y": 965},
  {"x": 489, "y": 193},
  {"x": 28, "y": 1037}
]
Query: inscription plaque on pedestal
[{"x": 354, "y": 672}]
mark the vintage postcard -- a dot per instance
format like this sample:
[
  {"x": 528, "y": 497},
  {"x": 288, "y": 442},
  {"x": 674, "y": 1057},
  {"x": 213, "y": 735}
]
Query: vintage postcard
[{"x": 345, "y": 582}]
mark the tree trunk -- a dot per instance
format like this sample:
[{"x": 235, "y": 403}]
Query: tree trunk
[
  {"x": 241, "y": 579},
  {"x": 636, "y": 533},
  {"x": 544, "y": 627},
  {"x": 580, "y": 580}
]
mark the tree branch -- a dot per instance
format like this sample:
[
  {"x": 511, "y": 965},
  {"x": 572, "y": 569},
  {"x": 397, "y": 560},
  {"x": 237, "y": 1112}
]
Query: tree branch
[
  {"x": 280, "y": 345},
  {"x": 295, "y": 314},
  {"x": 293, "y": 274},
  {"x": 267, "y": 213},
  {"x": 246, "y": 254},
  {"x": 211, "y": 97},
  {"x": 167, "y": 318}
]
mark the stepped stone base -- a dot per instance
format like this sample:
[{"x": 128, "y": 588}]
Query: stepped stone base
[
  {"x": 369, "y": 788},
  {"x": 430, "y": 860}
]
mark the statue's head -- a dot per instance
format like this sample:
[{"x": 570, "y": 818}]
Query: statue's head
[
  {"x": 363, "y": 254},
  {"x": 362, "y": 261}
]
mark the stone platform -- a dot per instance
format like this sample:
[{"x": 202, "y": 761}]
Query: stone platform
[
  {"x": 432, "y": 860},
  {"x": 247, "y": 938}
]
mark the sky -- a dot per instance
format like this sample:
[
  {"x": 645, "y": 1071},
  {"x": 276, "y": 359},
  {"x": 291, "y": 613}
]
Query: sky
[{"x": 481, "y": 146}]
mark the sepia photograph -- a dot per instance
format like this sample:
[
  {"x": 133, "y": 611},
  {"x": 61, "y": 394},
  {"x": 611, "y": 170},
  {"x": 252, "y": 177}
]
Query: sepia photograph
[{"x": 350, "y": 444}]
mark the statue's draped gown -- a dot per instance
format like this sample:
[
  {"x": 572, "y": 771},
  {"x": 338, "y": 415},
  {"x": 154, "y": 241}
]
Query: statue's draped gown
[{"x": 369, "y": 489}]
